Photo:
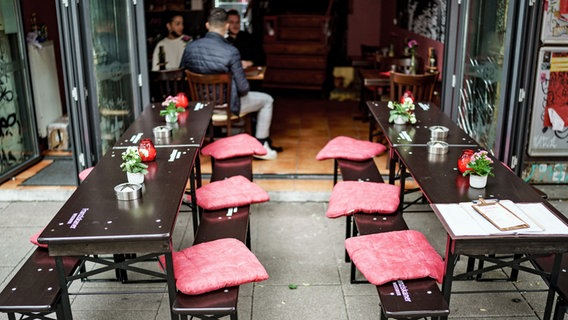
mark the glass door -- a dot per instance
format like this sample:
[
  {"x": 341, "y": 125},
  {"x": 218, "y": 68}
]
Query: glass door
[
  {"x": 104, "y": 44},
  {"x": 111, "y": 37},
  {"x": 18, "y": 133},
  {"x": 485, "y": 38}
]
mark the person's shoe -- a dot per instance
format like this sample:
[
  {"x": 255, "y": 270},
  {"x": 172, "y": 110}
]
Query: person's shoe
[
  {"x": 270, "y": 154},
  {"x": 277, "y": 149}
]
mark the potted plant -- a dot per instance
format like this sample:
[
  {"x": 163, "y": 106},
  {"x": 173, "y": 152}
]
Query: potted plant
[
  {"x": 133, "y": 166},
  {"x": 402, "y": 112},
  {"x": 478, "y": 169},
  {"x": 174, "y": 105}
]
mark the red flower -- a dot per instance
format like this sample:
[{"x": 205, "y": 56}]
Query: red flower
[
  {"x": 182, "y": 100},
  {"x": 407, "y": 94}
]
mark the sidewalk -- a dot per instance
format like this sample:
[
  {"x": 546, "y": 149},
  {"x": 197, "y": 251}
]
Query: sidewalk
[{"x": 297, "y": 245}]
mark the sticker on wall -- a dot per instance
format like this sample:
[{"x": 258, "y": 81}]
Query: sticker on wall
[{"x": 555, "y": 21}]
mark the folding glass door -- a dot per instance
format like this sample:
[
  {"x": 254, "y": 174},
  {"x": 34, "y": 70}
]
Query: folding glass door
[
  {"x": 484, "y": 66},
  {"x": 104, "y": 45}
]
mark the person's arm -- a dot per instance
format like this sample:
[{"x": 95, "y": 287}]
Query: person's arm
[
  {"x": 155, "y": 58},
  {"x": 239, "y": 75}
]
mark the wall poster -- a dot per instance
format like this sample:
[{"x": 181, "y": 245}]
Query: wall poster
[
  {"x": 424, "y": 17},
  {"x": 555, "y": 21},
  {"x": 549, "y": 120}
]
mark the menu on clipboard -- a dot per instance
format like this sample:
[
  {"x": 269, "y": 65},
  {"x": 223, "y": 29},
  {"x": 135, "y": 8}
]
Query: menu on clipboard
[{"x": 501, "y": 217}]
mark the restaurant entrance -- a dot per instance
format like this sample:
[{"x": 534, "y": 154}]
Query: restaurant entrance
[{"x": 104, "y": 60}]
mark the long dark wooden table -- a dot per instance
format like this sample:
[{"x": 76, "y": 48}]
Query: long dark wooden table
[
  {"x": 441, "y": 182},
  {"x": 94, "y": 222}
]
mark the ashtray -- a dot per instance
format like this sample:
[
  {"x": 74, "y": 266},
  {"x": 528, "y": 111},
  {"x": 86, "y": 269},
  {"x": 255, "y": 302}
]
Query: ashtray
[
  {"x": 437, "y": 147},
  {"x": 161, "y": 132},
  {"x": 438, "y": 133},
  {"x": 128, "y": 191}
]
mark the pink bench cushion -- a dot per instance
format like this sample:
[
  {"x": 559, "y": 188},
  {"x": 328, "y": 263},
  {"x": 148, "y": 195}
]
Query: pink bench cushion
[
  {"x": 234, "y": 146},
  {"x": 228, "y": 193},
  {"x": 349, "y": 197},
  {"x": 85, "y": 173},
  {"x": 33, "y": 239},
  {"x": 396, "y": 255},
  {"x": 351, "y": 149},
  {"x": 217, "y": 264}
]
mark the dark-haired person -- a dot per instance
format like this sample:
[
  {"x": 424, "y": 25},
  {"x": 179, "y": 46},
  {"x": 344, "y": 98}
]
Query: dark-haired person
[
  {"x": 173, "y": 44},
  {"x": 250, "y": 50},
  {"x": 212, "y": 54}
]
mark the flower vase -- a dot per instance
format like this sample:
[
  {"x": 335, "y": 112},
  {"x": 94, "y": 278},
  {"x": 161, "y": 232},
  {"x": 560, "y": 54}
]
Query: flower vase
[
  {"x": 476, "y": 181},
  {"x": 399, "y": 120},
  {"x": 412, "y": 62},
  {"x": 135, "y": 177},
  {"x": 171, "y": 118}
]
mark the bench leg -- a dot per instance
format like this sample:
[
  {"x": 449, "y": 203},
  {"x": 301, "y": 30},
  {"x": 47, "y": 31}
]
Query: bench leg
[
  {"x": 234, "y": 316},
  {"x": 11, "y": 316}
]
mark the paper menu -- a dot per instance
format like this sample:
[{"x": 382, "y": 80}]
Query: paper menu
[{"x": 463, "y": 220}]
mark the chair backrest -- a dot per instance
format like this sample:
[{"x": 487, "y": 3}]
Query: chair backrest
[
  {"x": 398, "y": 64},
  {"x": 166, "y": 83},
  {"x": 215, "y": 88},
  {"x": 421, "y": 85}
]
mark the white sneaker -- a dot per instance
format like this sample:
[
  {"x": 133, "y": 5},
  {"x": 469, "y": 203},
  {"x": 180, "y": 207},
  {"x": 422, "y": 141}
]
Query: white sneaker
[{"x": 270, "y": 154}]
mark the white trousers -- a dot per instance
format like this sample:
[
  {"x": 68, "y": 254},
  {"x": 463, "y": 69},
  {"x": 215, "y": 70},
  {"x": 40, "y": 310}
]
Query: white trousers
[{"x": 262, "y": 103}]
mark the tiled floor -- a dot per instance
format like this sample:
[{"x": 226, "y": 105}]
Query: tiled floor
[{"x": 303, "y": 122}]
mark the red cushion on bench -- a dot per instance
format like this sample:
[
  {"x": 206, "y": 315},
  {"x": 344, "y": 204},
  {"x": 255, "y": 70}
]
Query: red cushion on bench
[
  {"x": 349, "y": 197},
  {"x": 348, "y": 148},
  {"x": 234, "y": 146},
  {"x": 214, "y": 265},
  {"x": 395, "y": 255},
  {"x": 232, "y": 192},
  {"x": 33, "y": 240}
]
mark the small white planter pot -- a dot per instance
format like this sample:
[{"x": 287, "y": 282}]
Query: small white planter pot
[
  {"x": 478, "y": 182},
  {"x": 135, "y": 178},
  {"x": 171, "y": 119},
  {"x": 399, "y": 120}
]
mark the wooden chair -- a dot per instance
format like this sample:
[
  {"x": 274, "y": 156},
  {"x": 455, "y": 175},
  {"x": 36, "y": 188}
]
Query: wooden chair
[
  {"x": 166, "y": 83},
  {"x": 216, "y": 88},
  {"x": 421, "y": 85}
]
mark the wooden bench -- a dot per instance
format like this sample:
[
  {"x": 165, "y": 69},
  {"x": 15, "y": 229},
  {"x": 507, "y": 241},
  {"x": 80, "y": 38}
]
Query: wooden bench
[
  {"x": 34, "y": 291},
  {"x": 545, "y": 264},
  {"x": 219, "y": 303},
  {"x": 213, "y": 225},
  {"x": 407, "y": 299},
  {"x": 365, "y": 170}
]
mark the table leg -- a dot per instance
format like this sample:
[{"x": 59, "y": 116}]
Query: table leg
[
  {"x": 171, "y": 282},
  {"x": 392, "y": 164},
  {"x": 65, "y": 303},
  {"x": 450, "y": 262},
  {"x": 552, "y": 286}
]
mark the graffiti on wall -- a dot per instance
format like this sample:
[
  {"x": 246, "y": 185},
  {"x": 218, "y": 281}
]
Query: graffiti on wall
[{"x": 11, "y": 138}]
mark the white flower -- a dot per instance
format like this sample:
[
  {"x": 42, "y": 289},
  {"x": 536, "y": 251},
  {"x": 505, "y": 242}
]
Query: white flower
[{"x": 391, "y": 105}]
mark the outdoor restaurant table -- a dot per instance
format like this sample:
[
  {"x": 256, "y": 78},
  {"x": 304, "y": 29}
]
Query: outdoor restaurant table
[
  {"x": 188, "y": 131},
  {"x": 441, "y": 183},
  {"x": 94, "y": 222}
]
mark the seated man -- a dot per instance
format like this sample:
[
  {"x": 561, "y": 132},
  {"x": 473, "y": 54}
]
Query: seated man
[
  {"x": 251, "y": 52},
  {"x": 172, "y": 45},
  {"x": 213, "y": 54}
]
